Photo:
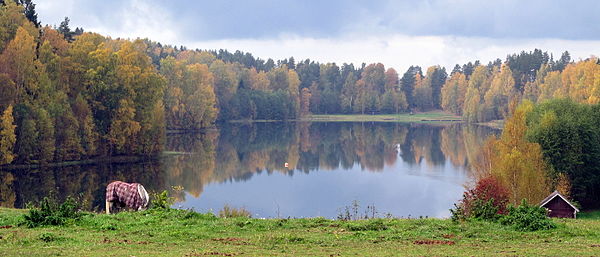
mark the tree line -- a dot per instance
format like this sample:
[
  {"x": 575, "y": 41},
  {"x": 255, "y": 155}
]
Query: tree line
[{"x": 69, "y": 95}]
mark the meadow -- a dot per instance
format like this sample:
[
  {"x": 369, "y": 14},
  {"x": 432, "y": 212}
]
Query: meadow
[{"x": 187, "y": 233}]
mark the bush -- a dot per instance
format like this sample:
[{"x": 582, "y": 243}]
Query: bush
[
  {"x": 50, "y": 212},
  {"x": 485, "y": 202},
  {"x": 162, "y": 200},
  {"x": 230, "y": 212},
  {"x": 485, "y": 210},
  {"x": 527, "y": 217}
]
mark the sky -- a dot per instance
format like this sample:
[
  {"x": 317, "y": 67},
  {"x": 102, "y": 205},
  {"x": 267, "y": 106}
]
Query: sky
[{"x": 396, "y": 33}]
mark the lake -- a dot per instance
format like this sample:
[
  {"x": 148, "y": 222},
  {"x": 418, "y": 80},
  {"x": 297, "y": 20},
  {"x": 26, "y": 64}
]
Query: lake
[{"x": 333, "y": 168}]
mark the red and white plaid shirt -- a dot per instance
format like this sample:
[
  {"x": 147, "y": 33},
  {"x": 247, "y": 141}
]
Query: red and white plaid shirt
[{"x": 126, "y": 193}]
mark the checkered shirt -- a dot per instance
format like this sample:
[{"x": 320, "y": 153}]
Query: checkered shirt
[{"x": 126, "y": 193}]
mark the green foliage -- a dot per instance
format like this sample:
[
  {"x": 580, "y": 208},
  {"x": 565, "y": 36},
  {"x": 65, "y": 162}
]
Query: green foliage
[
  {"x": 569, "y": 135},
  {"x": 52, "y": 213},
  {"x": 49, "y": 237},
  {"x": 162, "y": 201},
  {"x": 485, "y": 210},
  {"x": 591, "y": 215},
  {"x": 526, "y": 217},
  {"x": 231, "y": 212}
]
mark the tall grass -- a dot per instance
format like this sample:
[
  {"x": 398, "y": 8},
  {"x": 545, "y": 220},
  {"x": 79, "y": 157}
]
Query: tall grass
[{"x": 231, "y": 212}]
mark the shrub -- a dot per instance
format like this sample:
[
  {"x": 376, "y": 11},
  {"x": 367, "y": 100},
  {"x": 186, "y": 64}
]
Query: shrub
[
  {"x": 162, "y": 200},
  {"x": 230, "y": 212},
  {"x": 485, "y": 210},
  {"x": 485, "y": 202},
  {"x": 527, "y": 217},
  {"x": 49, "y": 237},
  {"x": 50, "y": 212}
]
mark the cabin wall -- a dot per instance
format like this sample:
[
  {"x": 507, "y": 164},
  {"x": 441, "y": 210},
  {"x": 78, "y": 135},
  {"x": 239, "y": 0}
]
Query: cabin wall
[{"x": 559, "y": 209}]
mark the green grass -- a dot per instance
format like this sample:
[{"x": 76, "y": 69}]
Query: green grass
[
  {"x": 434, "y": 116},
  {"x": 184, "y": 233},
  {"x": 593, "y": 215}
]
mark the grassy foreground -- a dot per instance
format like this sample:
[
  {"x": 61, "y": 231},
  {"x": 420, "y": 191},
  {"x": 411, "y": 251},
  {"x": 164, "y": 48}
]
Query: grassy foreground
[
  {"x": 185, "y": 233},
  {"x": 434, "y": 116}
]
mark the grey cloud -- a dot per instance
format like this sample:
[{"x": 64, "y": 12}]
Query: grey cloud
[{"x": 264, "y": 19}]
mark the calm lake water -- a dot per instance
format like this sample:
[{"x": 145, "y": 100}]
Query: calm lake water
[{"x": 405, "y": 170}]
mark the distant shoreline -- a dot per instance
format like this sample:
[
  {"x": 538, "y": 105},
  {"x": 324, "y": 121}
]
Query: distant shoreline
[
  {"x": 113, "y": 159},
  {"x": 420, "y": 117}
]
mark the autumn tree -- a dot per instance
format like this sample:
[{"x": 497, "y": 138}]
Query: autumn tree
[
  {"x": 454, "y": 92},
  {"x": 225, "y": 82},
  {"x": 18, "y": 61},
  {"x": 123, "y": 128},
  {"x": 501, "y": 92},
  {"x": 7, "y": 136},
  {"x": 68, "y": 142},
  {"x": 472, "y": 105},
  {"x": 518, "y": 164},
  {"x": 305, "y": 102},
  {"x": 86, "y": 126},
  {"x": 422, "y": 98},
  {"x": 550, "y": 86},
  {"x": 369, "y": 88},
  {"x": 46, "y": 139},
  {"x": 11, "y": 18},
  {"x": 190, "y": 99},
  {"x": 9, "y": 91}
]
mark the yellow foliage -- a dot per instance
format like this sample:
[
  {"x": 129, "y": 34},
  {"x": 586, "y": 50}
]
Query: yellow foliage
[
  {"x": 7, "y": 136},
  {"x": 518, "y": 164},
  {"x": 563, "y": 185}
]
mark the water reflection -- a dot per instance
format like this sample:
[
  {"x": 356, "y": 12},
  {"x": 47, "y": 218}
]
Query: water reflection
[
  {"x": 87, "y": 182},
  {"x": 404, "y": 169}
]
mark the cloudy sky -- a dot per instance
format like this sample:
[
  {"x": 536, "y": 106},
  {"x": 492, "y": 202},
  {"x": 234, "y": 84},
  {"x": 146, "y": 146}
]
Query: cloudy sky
[{"x": 397, "y": 33}]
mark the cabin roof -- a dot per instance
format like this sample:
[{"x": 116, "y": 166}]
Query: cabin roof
[{"x": 554, "y": 195}]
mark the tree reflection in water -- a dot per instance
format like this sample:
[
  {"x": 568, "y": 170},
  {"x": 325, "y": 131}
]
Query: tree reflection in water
[{"x": 238, "y": 151}]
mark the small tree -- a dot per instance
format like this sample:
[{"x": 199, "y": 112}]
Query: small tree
[{"x": 7, "y": 137}]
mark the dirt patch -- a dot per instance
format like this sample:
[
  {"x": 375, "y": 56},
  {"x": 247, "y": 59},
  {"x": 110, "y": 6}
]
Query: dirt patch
[
  {"x": 229, "y": 239},
  {"x": 448, "y": 236},
  {"x": 232, "y": 240},
  {"x": 7, "y": 226},
  {"x": 433, "y": 242},
  {"x": 219, "y": 254},
  {"x": 594, "y": 245}
]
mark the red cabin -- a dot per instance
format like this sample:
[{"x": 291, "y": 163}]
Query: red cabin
[{"x": 559, "y": 207}]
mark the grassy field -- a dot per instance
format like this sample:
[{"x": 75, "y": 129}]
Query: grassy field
[
  {"x": 435, "y": 116},
  {"x": 185, "y": 233}
]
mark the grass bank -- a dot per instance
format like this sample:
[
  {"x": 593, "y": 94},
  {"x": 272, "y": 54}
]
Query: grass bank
[
  {"x": 434, "y": 116},
  {"x": 184, "y": 233}
]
